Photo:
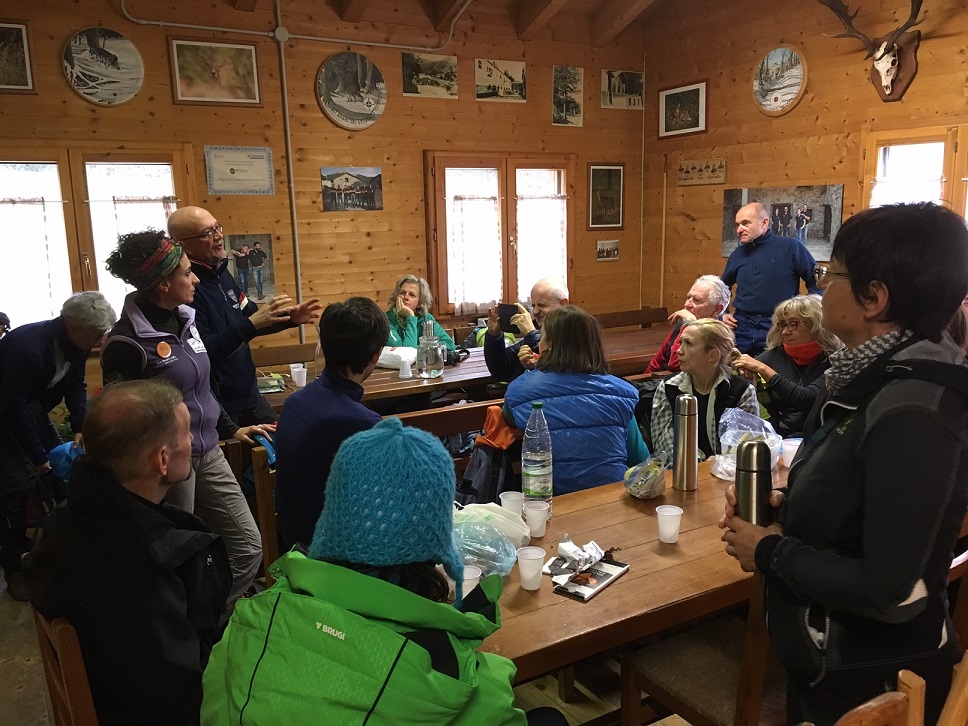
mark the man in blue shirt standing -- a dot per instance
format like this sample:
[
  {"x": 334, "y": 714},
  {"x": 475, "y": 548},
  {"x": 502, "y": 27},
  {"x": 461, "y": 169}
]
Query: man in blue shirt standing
[
  {"x": 766, "y": 270},
  {"x": 318, "y": 418}
]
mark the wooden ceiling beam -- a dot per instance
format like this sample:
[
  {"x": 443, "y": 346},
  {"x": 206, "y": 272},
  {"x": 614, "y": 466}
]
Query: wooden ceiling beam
[
  {"x": 614, "y": 17},
  {"x": 247, "y": 5},
  {"x": 534, "y": 16},
  {"x": 444, "y": 12},
  {"x": 351, "y": 11}
]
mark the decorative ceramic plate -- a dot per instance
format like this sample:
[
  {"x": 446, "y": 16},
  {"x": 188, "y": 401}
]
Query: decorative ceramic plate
[
  {"x": 351, "y": 91},
  {"x": 780, "y": 80},
  {"x": 103, "y": 66}
]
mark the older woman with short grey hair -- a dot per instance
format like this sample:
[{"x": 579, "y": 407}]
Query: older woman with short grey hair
[{"x": 408, "y": 309}]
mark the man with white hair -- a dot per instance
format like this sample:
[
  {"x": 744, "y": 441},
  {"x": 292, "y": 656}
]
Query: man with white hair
[
  {"x": 766, "y": 270},
  {"x": 707, "y": 298},
  {"x": 504, "y": 363},
  {"x": 41, "y": 364}
]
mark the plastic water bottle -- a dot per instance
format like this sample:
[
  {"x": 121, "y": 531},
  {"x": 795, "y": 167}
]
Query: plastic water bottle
[{"x": 536, "y": 471}]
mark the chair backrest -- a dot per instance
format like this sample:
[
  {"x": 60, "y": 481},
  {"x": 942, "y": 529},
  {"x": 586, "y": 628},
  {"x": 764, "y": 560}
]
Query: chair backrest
[
  {"x": 280, "y": 355},
  {"x": 955, "y": 711},
  {"x": 903, "y": 707},
  {"x": 643, "y": 317},
  {"x": 957, "y": 571},
  {"x": 60, "y": 652},
  {"x": 451, "y": 420},
  {"x": 265, "y": 499}
]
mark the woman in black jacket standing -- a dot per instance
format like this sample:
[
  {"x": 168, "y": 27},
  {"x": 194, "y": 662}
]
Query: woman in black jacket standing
[{"x": 789, "y": 373}]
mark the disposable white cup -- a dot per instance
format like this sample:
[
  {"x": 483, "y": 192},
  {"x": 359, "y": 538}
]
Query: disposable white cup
[
  {"x": 293, "y": 367},
  {"x": 472, "y": 576},
  {"x": 299, "y": 377},
  {"x": 512, "y": 501},
  {"x": 669, "y": 517},
  {"x": 530, "y": 562},
  {"x": 789, "y": 450},
  {"x": 405, "y": 371},
  {"x": 537, "y": 515}
]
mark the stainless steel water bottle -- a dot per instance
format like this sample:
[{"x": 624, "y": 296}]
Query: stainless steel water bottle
[
  {"x": 754, "y": 483},
  {"x": 685, "y": 445}
]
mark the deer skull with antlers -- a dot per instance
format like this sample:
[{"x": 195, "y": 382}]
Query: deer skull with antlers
[{"x": 894, "y": 54}]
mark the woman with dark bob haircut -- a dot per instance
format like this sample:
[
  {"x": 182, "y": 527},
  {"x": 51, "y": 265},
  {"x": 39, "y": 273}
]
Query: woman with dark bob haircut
[
  {"x": 856, "y": 572},
  {"x": 594, "y": 435}
]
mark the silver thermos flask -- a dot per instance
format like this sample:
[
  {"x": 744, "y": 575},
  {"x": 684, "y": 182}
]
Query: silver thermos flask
[
  {"x": 685, "y": 460},
  {"x": 754, "y": 483}
]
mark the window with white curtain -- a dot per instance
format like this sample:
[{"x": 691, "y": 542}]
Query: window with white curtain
[
  {"x": 485, "y": 250},
  {"x": 909, "y": 173}
]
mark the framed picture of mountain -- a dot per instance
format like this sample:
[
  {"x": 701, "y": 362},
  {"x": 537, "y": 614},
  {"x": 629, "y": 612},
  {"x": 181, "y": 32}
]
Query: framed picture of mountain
[{"x": 780, "y": 80}]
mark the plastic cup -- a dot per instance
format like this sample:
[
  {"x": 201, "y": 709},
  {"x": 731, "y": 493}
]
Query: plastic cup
[
  {"x": 789, "y": 450},
  {"x": 530, "y": 562},
  {"x": 293, "y": 367},
  {"x": 512, "y": 501},
  {"x": 669, "y": 517},
  {"x": 472, "y": 576},
  {"x": 299, "y": 377},
  {"x": 405, "y": 371},
  {"x": 537, "y": 515}
]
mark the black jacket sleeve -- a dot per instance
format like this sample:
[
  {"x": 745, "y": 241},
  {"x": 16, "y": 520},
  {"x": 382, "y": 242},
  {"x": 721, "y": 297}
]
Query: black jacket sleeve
[{"x": 502, "y": 362}]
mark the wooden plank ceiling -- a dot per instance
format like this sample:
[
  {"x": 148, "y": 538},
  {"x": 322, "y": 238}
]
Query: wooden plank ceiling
[{"x": 531, "y": 16}]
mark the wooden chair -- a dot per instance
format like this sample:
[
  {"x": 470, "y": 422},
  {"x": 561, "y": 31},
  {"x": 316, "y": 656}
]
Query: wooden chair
[
  {"x": 955, "y": 711},
  {"x": 265, "y": 499},
  {"x": 280, "y": 355},
  {"x": 903, "y": 707},
  {"x": 451, "y": 420},
  {"x": 720, "y": 672},
  {"x": 60, "y": 652}
]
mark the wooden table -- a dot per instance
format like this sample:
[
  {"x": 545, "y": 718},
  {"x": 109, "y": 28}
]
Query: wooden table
[
  {"x": 628, "y": 352},
  {"x": 666, "y": 585}
]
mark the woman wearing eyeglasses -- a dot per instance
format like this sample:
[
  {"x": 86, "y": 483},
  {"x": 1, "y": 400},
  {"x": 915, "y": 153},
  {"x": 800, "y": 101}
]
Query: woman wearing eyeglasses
[
  {"x": 856, "y": 574},
  {"x": 789, "y": 374}
]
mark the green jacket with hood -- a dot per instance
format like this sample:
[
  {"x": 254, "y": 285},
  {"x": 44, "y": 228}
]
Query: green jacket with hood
[{"x": 329, "y": 645}]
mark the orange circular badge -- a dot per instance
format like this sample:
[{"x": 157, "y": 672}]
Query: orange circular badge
[{"x": 163, "y": 349}]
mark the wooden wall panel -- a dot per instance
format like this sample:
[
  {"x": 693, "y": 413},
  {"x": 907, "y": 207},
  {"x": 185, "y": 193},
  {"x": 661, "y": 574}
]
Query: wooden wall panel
[
  {"x": 820, "y": 141},
  {"x": 350, "y": 253}
]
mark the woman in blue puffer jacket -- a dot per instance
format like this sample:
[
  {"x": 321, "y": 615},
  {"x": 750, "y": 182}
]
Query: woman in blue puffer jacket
[{"x": 594, "y": 436}]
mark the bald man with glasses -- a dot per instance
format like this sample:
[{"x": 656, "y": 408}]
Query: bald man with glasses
[{"x": 227, "y": 319}]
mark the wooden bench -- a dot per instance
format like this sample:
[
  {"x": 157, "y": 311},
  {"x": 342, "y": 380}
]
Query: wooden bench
[
  {"x": 280, "y": 355},
  {"x": 451, "y": 420},
  {"x": 643, "y": 318}
]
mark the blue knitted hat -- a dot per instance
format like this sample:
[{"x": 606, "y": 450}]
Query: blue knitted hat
[{"x": 390, "y": 501}]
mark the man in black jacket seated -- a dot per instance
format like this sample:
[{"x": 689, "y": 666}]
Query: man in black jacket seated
[
  {"x": 143, "y": 583},
  {"x": 227, "y": 319}
]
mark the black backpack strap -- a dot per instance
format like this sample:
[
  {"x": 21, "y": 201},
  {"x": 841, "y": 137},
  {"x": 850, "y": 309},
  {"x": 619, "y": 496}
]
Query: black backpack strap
[{"x": 948, "y": 375}]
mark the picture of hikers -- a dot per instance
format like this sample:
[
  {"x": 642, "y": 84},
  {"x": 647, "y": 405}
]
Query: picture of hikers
[
  {"x": 351, "y": 188},
  {"x": 250, "y": 262}
]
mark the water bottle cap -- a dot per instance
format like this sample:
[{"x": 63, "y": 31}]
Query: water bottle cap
[{"x": 537, "y": 404}]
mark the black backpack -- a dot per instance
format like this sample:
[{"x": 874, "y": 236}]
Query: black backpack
[{"x": 489, "y": 472}]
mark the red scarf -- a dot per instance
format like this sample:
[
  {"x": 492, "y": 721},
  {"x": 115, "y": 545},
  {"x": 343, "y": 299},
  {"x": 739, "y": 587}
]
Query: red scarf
[{"x": 805, "y": 353}]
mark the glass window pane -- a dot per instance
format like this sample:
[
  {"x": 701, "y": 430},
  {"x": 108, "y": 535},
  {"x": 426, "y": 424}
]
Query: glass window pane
[
  {"x": 542, "y": 234},
  {"x": 35, "y": 238},
  {"x": 908, "y": 173},
  {"x": 125, "y": 198},
  {"x": 474, "y": 256}
]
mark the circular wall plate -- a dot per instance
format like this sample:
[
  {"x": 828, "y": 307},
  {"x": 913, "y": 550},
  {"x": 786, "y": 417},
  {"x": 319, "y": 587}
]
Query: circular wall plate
[
  {"x": 780, "y": 80},
  {"x": 351, "y": 91},
  {"x": 103, "y": 66}
]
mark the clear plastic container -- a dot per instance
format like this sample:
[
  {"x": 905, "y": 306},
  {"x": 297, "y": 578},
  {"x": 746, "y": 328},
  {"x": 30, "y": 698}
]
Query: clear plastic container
[{"x": 536, "y": 465}]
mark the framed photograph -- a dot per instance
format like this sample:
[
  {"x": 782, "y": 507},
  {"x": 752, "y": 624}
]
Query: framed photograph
[
  {"x": 500, "y": 80},
  {"x": 208, "y": 73},
  {"x": 780, "y": 80},
  {"x": 103, "y": 66},
  {"x": 351, "y": 188},
  {"x": 622, "y": 89},
  {"x": 16, "y": 72},
  {"x": 351, "y": 91},
  {"x": 606, "y": 196},
  {"x": 566, "y": 96},
  {"x": 606, "y": 250},
  {"x": 682, "y": 110},
  {"x": 429, "y": 75}
]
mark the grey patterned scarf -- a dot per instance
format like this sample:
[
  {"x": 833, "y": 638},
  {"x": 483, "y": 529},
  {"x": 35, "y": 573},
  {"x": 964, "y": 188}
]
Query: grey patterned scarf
[{"x": 846, "y": 363}]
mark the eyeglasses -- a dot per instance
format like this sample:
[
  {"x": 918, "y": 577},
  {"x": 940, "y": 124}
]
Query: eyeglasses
[
  {"x": 210, "y": 233},
  {"x": 792, "y": 325},
  {"x": 822, "y": 272}
]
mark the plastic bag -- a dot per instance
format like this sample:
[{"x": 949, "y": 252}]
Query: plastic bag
[
  {"x": 647, "y": 480},
  {"x": 392, "y": 356},
  {"x": 484, "y": 546},
  {"x": 61, "y": 457},
  {"x": 513, "y": 527},
  {"x": 735, "y": 427}
]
